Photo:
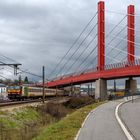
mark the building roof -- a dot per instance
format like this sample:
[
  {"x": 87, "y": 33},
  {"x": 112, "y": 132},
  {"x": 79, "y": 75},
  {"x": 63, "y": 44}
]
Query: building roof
[{"x": 2, "y": 85}]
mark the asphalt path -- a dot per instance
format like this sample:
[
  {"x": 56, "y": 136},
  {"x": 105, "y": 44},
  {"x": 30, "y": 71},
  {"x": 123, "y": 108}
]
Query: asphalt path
[
  {"x": 130, "y": 115},
  {"x": 102, "y": 124}
]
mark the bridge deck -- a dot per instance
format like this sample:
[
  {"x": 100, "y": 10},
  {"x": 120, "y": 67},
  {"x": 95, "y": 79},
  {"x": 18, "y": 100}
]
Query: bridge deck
[{"x": 115, "y": 73}]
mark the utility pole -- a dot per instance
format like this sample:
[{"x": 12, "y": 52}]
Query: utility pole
[
  {"x": 88, "y": 92},
  {"x": 43, "y": 81},
  {"x": 19, "y": 80},
  {"x": 114, "y": 86}
]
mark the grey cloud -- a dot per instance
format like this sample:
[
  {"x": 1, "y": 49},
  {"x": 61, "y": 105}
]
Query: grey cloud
[{"x": 39, "y": 32}]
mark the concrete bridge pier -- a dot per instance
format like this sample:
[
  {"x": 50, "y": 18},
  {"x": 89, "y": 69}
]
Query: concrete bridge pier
[
  {"x": 131, "y": 85},
  {"x": 101, "y": 89}
]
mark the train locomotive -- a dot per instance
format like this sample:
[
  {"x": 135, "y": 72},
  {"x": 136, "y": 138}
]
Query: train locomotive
[{"x": 31, "y": 92}]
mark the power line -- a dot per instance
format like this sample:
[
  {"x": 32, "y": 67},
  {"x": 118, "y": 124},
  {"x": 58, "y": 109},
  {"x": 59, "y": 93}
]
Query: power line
[
  {"x": 30, "y": 73},
  {"x": 3, "y": 77},
  {"x": 11, "y": 65},
  {"x": 8, "y": 58},
  {"x": 73, "y": 43}
]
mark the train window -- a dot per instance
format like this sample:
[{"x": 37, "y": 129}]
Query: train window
[
  {"x": 35, "y": 90},
  {"x": 17, "y": 87},
  {"x": 10, "y": 88}
]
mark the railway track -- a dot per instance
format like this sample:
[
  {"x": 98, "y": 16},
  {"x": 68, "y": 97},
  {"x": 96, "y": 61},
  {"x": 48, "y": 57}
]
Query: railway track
[{"x": 28, "y": 102}]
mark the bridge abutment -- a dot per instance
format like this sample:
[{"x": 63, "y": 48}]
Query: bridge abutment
[
  {"x": 101, "y": 89},
  {"x": 131, "y": 85}
]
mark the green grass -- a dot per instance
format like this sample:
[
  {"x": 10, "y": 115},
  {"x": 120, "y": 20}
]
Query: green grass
[
  {"x": 18, "y": 118},
  {"x": 67, "y": 128},
  {"x": 26, "y": 114}
]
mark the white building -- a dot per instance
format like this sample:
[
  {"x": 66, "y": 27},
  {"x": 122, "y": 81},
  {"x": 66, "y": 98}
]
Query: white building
[
  {"x": 3, "y": 92},
  {"x": 3, "y": 88}
]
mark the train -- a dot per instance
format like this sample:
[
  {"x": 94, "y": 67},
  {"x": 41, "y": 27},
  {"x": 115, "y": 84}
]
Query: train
[{"x": 31, "y": 92}]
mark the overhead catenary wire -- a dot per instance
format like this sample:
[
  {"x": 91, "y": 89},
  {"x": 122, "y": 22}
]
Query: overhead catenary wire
[
  {"x": 23, "y": 71},
  {"x": 30, "y": 73},
  {"x": 1, "y": 55},
  {"x": 3, "y": 77},
  {"x": 74, "y": 43}
]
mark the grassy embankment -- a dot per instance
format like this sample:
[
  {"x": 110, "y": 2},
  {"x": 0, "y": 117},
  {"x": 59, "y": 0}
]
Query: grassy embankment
[
  {"x": 67, "y": 128},
  {"x": 14, "y": 125},
  {"x": 50, "y": 121}
]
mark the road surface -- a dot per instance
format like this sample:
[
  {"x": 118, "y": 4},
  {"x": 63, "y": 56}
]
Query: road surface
[
  {"x": 102, "y": 124},
  {"x": 130, "y": 114}
]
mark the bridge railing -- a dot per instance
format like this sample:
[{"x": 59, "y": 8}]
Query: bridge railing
[
  {"x": 107, "y": 67},
  {"x": 123, "y": 64}
]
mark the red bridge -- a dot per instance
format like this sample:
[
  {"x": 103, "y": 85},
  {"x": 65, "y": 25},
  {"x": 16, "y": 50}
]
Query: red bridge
[{"x": 102, "y": 72}]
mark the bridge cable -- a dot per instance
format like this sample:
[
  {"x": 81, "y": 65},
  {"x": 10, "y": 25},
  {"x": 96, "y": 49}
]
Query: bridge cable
[
  {"x": 137, "y": 15},
  {"x": 116, "y": 26},
  {"x": 74, "y": 43},
  {"x": 82, "y": 52},
  {"x": 116, "y": 35},
  {"x": 86, "y": 57},
  {"x": 89, "y": 65},
  {"x": 78, "y": 47},
  {"x": 118, "y": 44},
  {"x": 124, "y": 52},
  {"x": 126, "y": 40},
  {"x": 127, "y": 27}
]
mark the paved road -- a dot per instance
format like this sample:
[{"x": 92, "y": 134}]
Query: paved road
[
  {"x": 102, "y": 124},
  {"x": 130, "y": 114}
]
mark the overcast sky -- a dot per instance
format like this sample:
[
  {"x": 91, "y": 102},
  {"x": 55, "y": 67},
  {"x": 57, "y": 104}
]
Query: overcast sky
[{"x": 39, "y": 32}]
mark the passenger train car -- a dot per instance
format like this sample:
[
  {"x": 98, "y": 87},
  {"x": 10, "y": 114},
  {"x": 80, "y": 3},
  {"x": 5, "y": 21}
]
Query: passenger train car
[{"x": 25, "y": 92}]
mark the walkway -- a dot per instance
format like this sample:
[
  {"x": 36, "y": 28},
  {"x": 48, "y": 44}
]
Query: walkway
[
  {"x": 102, "y": 124},
  {"x": 130, "y": 114}
]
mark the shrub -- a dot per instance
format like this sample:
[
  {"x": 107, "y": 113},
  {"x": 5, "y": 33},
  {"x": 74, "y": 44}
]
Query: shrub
[
  {"x": 56, "y": 110},
  {"x": 77, "y": 102}
]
